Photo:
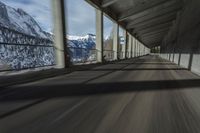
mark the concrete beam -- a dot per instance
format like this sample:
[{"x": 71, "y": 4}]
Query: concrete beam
[
  {"x": 157, "y": 27},
  {"x": 143, "y": 9},
  {"x": 150, "y": 43},
  {"x": 170, "y": 16},
  {"x": 154, "y": 32},
  {"x": 99, "y": 35},
  {"x": 60, "y": 37},
  {"x": 155, "y": 44},
  {"x": 106, "y": 3},
  {"x": 159, "y": 35},
  {"x": 152, "y": 39},
  {"x": 143, "y": 27},
  {"x": 156, "y": 14}
]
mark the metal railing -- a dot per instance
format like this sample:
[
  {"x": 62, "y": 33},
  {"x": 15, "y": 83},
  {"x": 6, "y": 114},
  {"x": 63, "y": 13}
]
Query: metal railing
[
  {"x": 25, "y": 56},
  {"x": 108, "y": 55},
  {"x": 121, "y": 55},
  {"x": 82, "y": 55},
  {"x": 22, "y": 51}
]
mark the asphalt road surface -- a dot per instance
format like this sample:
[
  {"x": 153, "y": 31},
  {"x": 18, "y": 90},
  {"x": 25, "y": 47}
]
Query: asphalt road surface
[{"x": 143, "y": 95}]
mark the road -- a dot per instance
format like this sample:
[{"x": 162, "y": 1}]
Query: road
[{"x": 143, "y": 95}]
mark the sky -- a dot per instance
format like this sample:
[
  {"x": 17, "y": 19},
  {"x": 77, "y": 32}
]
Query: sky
[
  {"x": 80, "y": 15},
  {"x": 40, "y": 10}
]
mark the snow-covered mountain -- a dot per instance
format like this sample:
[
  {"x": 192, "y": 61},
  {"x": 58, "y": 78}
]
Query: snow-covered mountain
[
  {"x": 82, "y": 47},
  {"x": 87, "y": 42},
  {"x": 18, "y": 27},
  {"x": 19, "y": 20}
]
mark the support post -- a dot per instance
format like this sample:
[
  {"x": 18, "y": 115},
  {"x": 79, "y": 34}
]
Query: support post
[
  {"x": 116, "y": 41},
  {"x": 124, "y": 45},
  {"x": 129, "y": 45},
  {"x": 62, "y": 57},
  {"x": 133, "y": 47},
  {"x": 135, "y": 53},
  {"x": 99, "y": 35},
  {"x": 131, "y": 56}
]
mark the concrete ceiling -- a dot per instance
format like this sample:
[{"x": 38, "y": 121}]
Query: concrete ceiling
[{"x": 148, "y": 20}]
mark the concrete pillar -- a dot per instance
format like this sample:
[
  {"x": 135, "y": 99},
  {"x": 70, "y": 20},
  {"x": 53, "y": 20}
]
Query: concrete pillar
[
  {"x": 139, "y": 45},
  {"x": 99, "y": 35},
  {"x": 116, "y": 41},
  {"x": 59, "y": 31},
  {"x": 131, "y": 56},
  {"x": 139, "y": 48},
  {"x": 132, "y": 42},
  {"x": 124, "y": 45},
  {"x": 127, "y": 42},
  {"x": 129, "y": 45},
  {"x": 135, "y": 47}
]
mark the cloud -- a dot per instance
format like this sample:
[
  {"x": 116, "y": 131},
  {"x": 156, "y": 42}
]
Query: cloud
[{"x": 80, "y": 17}]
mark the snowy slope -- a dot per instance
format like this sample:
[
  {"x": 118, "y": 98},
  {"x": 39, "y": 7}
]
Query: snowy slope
[
  {"x": 19, "y": 20},
  {"x": 19, "y": 57},
  {"x": 87, "y": 42}
]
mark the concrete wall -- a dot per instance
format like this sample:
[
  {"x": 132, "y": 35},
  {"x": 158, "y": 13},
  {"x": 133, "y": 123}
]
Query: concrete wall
[
  {"x": 184, "y": 35},
  {"x": 182, "y": 43}
]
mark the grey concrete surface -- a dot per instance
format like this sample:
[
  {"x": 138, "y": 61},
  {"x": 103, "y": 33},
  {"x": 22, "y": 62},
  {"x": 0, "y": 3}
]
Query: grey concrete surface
[
  {"x": 188, "y": 61},
  {"x": 144, "y": 95},
  {"x": 183, "y": 37}
]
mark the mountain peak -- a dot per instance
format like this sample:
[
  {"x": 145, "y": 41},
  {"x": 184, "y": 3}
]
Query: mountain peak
[
  {"x": 21, "y": 11},
  {"x": 2, "y": 4},
  {"x": 19, "y": 20}
]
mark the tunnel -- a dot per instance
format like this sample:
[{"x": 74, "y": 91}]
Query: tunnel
[{"x": 146, "y": 81}]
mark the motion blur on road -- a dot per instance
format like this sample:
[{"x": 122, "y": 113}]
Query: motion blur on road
[
  {"x": 100, "y": 66},
  {"x": 142, "y": 95}
]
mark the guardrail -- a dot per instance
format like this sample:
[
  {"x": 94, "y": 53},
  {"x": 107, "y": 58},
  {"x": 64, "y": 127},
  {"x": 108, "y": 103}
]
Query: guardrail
[
  {"x": 108, "y": 55},
  {"x": 82, "y": 55},
  {"x": 25, "y": 56}
]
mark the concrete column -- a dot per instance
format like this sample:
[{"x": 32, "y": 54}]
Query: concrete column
[
  {"x": 124, "y": 45},
  {"x": 132, "y": 41},
  {"x": 116, "y": 41},
  {"x": 133, "y": 48},
  {"x": 129, "y": 45},
  {"x": 99, "y": 35},
  {"x": 137, "y": 48},
  {"x": 59, "y": 31}
]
